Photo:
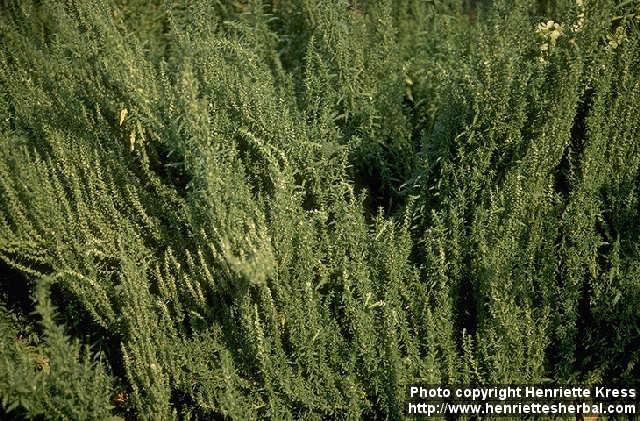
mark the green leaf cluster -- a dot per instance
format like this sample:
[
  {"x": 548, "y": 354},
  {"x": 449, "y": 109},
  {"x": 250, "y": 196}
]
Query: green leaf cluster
[{"x": 292, "y": 209}]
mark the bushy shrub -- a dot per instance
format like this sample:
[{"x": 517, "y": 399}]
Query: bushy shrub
[{"x": 294, "y": 209}]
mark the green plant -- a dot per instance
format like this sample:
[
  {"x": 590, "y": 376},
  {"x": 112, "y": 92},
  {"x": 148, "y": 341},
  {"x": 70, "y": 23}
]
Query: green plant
[{"x": 294, "y": 209}]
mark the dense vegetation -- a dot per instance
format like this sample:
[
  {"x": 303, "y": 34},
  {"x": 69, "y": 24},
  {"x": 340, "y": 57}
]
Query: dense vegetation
[{"x": 295, "y": 208}]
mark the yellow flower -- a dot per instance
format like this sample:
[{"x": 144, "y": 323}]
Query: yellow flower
[
  {"x": 554, "y": 35},
  {"x": 549, "y": 31},
  {"x": 123, "y": 115}
]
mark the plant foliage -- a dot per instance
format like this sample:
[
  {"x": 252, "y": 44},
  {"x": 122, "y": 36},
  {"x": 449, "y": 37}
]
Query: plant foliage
[{"x": 294, "y": 209}]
